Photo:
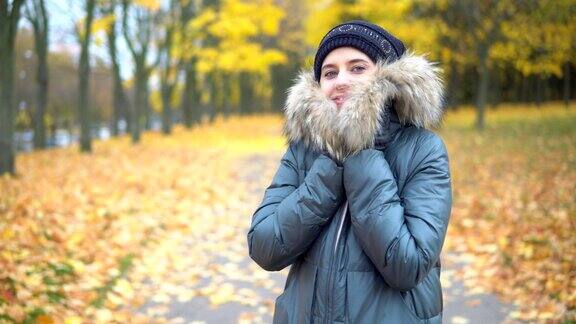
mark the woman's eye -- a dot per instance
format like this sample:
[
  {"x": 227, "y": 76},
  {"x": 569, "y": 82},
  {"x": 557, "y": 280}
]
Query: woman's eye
[
  {"x": 329, "y": 74},
  {"x": 358, "y": 69}
]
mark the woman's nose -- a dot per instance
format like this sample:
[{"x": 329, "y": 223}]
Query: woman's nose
[{"x": 343, "y": 79}]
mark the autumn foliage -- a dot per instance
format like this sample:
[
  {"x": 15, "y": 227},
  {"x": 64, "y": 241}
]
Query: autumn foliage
[
  {"x": 72, "y": 226},
  {"x": 514, "y": 213},
  {"x": 83, "y": 236}
]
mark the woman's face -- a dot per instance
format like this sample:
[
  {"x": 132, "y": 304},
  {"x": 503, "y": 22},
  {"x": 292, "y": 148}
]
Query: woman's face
[{"x": 340, "y": 69}]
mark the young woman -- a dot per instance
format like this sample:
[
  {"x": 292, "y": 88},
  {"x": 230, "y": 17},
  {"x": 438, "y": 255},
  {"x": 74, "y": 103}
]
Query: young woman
[{"x": 360, "y": 204}]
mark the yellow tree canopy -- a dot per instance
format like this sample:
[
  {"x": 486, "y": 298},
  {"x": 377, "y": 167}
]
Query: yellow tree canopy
[
  {"x": 395, "y": 16},
  {"x": 539, "y": 41},
  {"x": 239, "y": 26}
]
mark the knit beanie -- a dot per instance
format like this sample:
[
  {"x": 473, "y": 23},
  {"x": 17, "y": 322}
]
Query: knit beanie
[{"x": 368, "y": 38}]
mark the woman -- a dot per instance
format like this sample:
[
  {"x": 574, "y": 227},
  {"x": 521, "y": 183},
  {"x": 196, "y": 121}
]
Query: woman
[{"x": 360, "y": 203}]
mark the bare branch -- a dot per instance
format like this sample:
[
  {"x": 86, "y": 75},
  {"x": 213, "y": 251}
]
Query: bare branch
[{"x": 125, "y": 7}]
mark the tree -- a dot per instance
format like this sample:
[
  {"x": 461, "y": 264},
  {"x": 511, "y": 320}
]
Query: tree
[
  {"x": 566, "y": 91},
  {"x": 290, "y": 42},
  {"x": 207, "y": 55},
  {"x": 186, "y": 39},
  {"x": 168, "y": 66},
  {"x": 538, "y": 40},
  {"x": 84, "y": 37},
  {"x": 9, "y": 16},
  {"x": 121, "y": 108},
  {"x": 35, "y": 11},
  {"x": 25, "y": 88},
  {"x": 475, "y": 27},
  {"x": 138, "y": 36},
  {"x": 237, "y": 51}
]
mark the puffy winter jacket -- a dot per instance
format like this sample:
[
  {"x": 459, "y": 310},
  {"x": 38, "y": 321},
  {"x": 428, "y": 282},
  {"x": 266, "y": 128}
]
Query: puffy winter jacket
[{"x": 360, "y": 204}]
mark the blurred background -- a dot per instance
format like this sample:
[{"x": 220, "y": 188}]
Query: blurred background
[{"x": 137, "y": 137}]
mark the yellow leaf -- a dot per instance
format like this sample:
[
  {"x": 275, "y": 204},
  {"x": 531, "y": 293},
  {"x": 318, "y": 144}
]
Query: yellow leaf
[
  {"x": 148, "y": 4},
  {"x": 73, "y": 320},
  {"x": 77, "y": 265},
  {"x": 223, "y": 295},
  {"x": 75, "y": 239},
  {"x": 104, "y": 316},
  {"x": 45, "y": 319},
  {"x": 103, "y": 23},
  {"x": 124, "y": 288},
  {"x": 7, "y": 234}
]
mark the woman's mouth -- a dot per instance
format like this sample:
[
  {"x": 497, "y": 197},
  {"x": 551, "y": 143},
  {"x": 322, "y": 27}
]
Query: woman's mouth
[{"x": 339, "y": 100}]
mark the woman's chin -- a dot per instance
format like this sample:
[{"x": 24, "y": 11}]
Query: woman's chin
[{"x": 339, "y": 103}]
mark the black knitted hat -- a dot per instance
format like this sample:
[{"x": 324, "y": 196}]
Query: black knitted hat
[{"x": 368, "y": 38}]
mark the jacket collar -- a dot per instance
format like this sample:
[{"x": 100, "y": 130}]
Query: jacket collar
[
  {"x": 389, "y": 126},
  {"x": 411, "y": 82}
]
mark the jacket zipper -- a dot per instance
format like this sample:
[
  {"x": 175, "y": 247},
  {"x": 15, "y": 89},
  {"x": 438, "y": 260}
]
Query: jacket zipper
[{"x": 330, "y": 277}]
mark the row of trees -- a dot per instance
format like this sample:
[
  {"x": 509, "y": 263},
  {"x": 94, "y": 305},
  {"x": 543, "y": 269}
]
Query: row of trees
[
  {"x": 209, "y": 57},
  {"x": 60, "y": 109},
  {"x": 216, "y": 57}
]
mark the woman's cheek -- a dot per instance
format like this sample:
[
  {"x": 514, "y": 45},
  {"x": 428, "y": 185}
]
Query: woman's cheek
[{"x": 326, "y": 88}]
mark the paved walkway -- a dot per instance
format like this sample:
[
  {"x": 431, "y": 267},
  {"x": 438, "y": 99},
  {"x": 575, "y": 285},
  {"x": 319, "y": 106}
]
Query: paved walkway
[{"x": 461, "y": 304}]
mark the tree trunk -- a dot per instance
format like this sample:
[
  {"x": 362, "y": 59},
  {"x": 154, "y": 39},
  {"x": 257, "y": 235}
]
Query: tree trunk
[
  {"x": 453, "y": 86},
  {"x": 40, "y": 26},
  {"x": 259, "y": 100},
  {"x": 139, "y": 101},
  {"x": 566, "y": 92},
  {"x": 218, "y": 95},
  {"x": 546, "y": 88},
  {"x": 84, "y": 70},
  {"x": 281, "y": 80},
  {"x": 190, "y": 96},
  {"x": 213, "y": 96},
  {"x": 227, "y": 95},
  {"x": 41, "y": 101},
  {"x": 277, "y": 86},
  {"x": 166, "y": 90},
  {"x": 52, "y": 134},
  {"x": 146, "y": 105},
  {"x": 482, "y": 91},
  {"x": 141, "y": 109},
  {"x": 525, "y": 89},
  {"x": 6, "y": 107},
  {"x": 496, "y": 88},
  {"x": 538, "y": 84},
  {"x": 8, "y": 30},
  {"x": 167, "y": 81},
  {"x": 119, "y": 100},
  {"x": 246, "y": 93},
  {"x": 517, "y": 86}
]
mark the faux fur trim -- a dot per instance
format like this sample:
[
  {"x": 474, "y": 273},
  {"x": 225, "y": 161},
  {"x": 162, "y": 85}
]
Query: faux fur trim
[{"x": 311, "y": 117}]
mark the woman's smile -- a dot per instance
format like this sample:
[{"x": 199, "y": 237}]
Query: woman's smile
[{"x": 339, "y": 99}]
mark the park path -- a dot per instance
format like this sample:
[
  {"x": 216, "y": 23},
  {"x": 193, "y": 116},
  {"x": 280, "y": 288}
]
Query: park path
[{"x": 249, "y": 292}]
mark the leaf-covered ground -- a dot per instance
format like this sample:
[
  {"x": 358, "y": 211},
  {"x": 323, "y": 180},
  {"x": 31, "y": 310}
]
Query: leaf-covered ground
[
  {"x": 131, "y": 233},
  {"x": 514, "y": 213}
]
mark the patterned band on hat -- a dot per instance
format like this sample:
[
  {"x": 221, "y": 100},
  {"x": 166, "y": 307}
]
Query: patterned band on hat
[{"x": 365, "y": 32}]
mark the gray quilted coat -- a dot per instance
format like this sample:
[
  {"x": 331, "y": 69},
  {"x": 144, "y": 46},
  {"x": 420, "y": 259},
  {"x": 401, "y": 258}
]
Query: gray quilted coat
[{"x": 360, "y": 204}]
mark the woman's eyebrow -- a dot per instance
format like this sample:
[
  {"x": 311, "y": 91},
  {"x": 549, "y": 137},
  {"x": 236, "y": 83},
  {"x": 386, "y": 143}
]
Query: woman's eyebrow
[
  {"x": 352, "y": 61},
  {"x": 357, "y": 61},
  {"x": 328, "y": 66}
]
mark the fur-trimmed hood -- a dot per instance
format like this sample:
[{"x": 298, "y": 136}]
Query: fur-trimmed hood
[{"x": 412, "y": 83}]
